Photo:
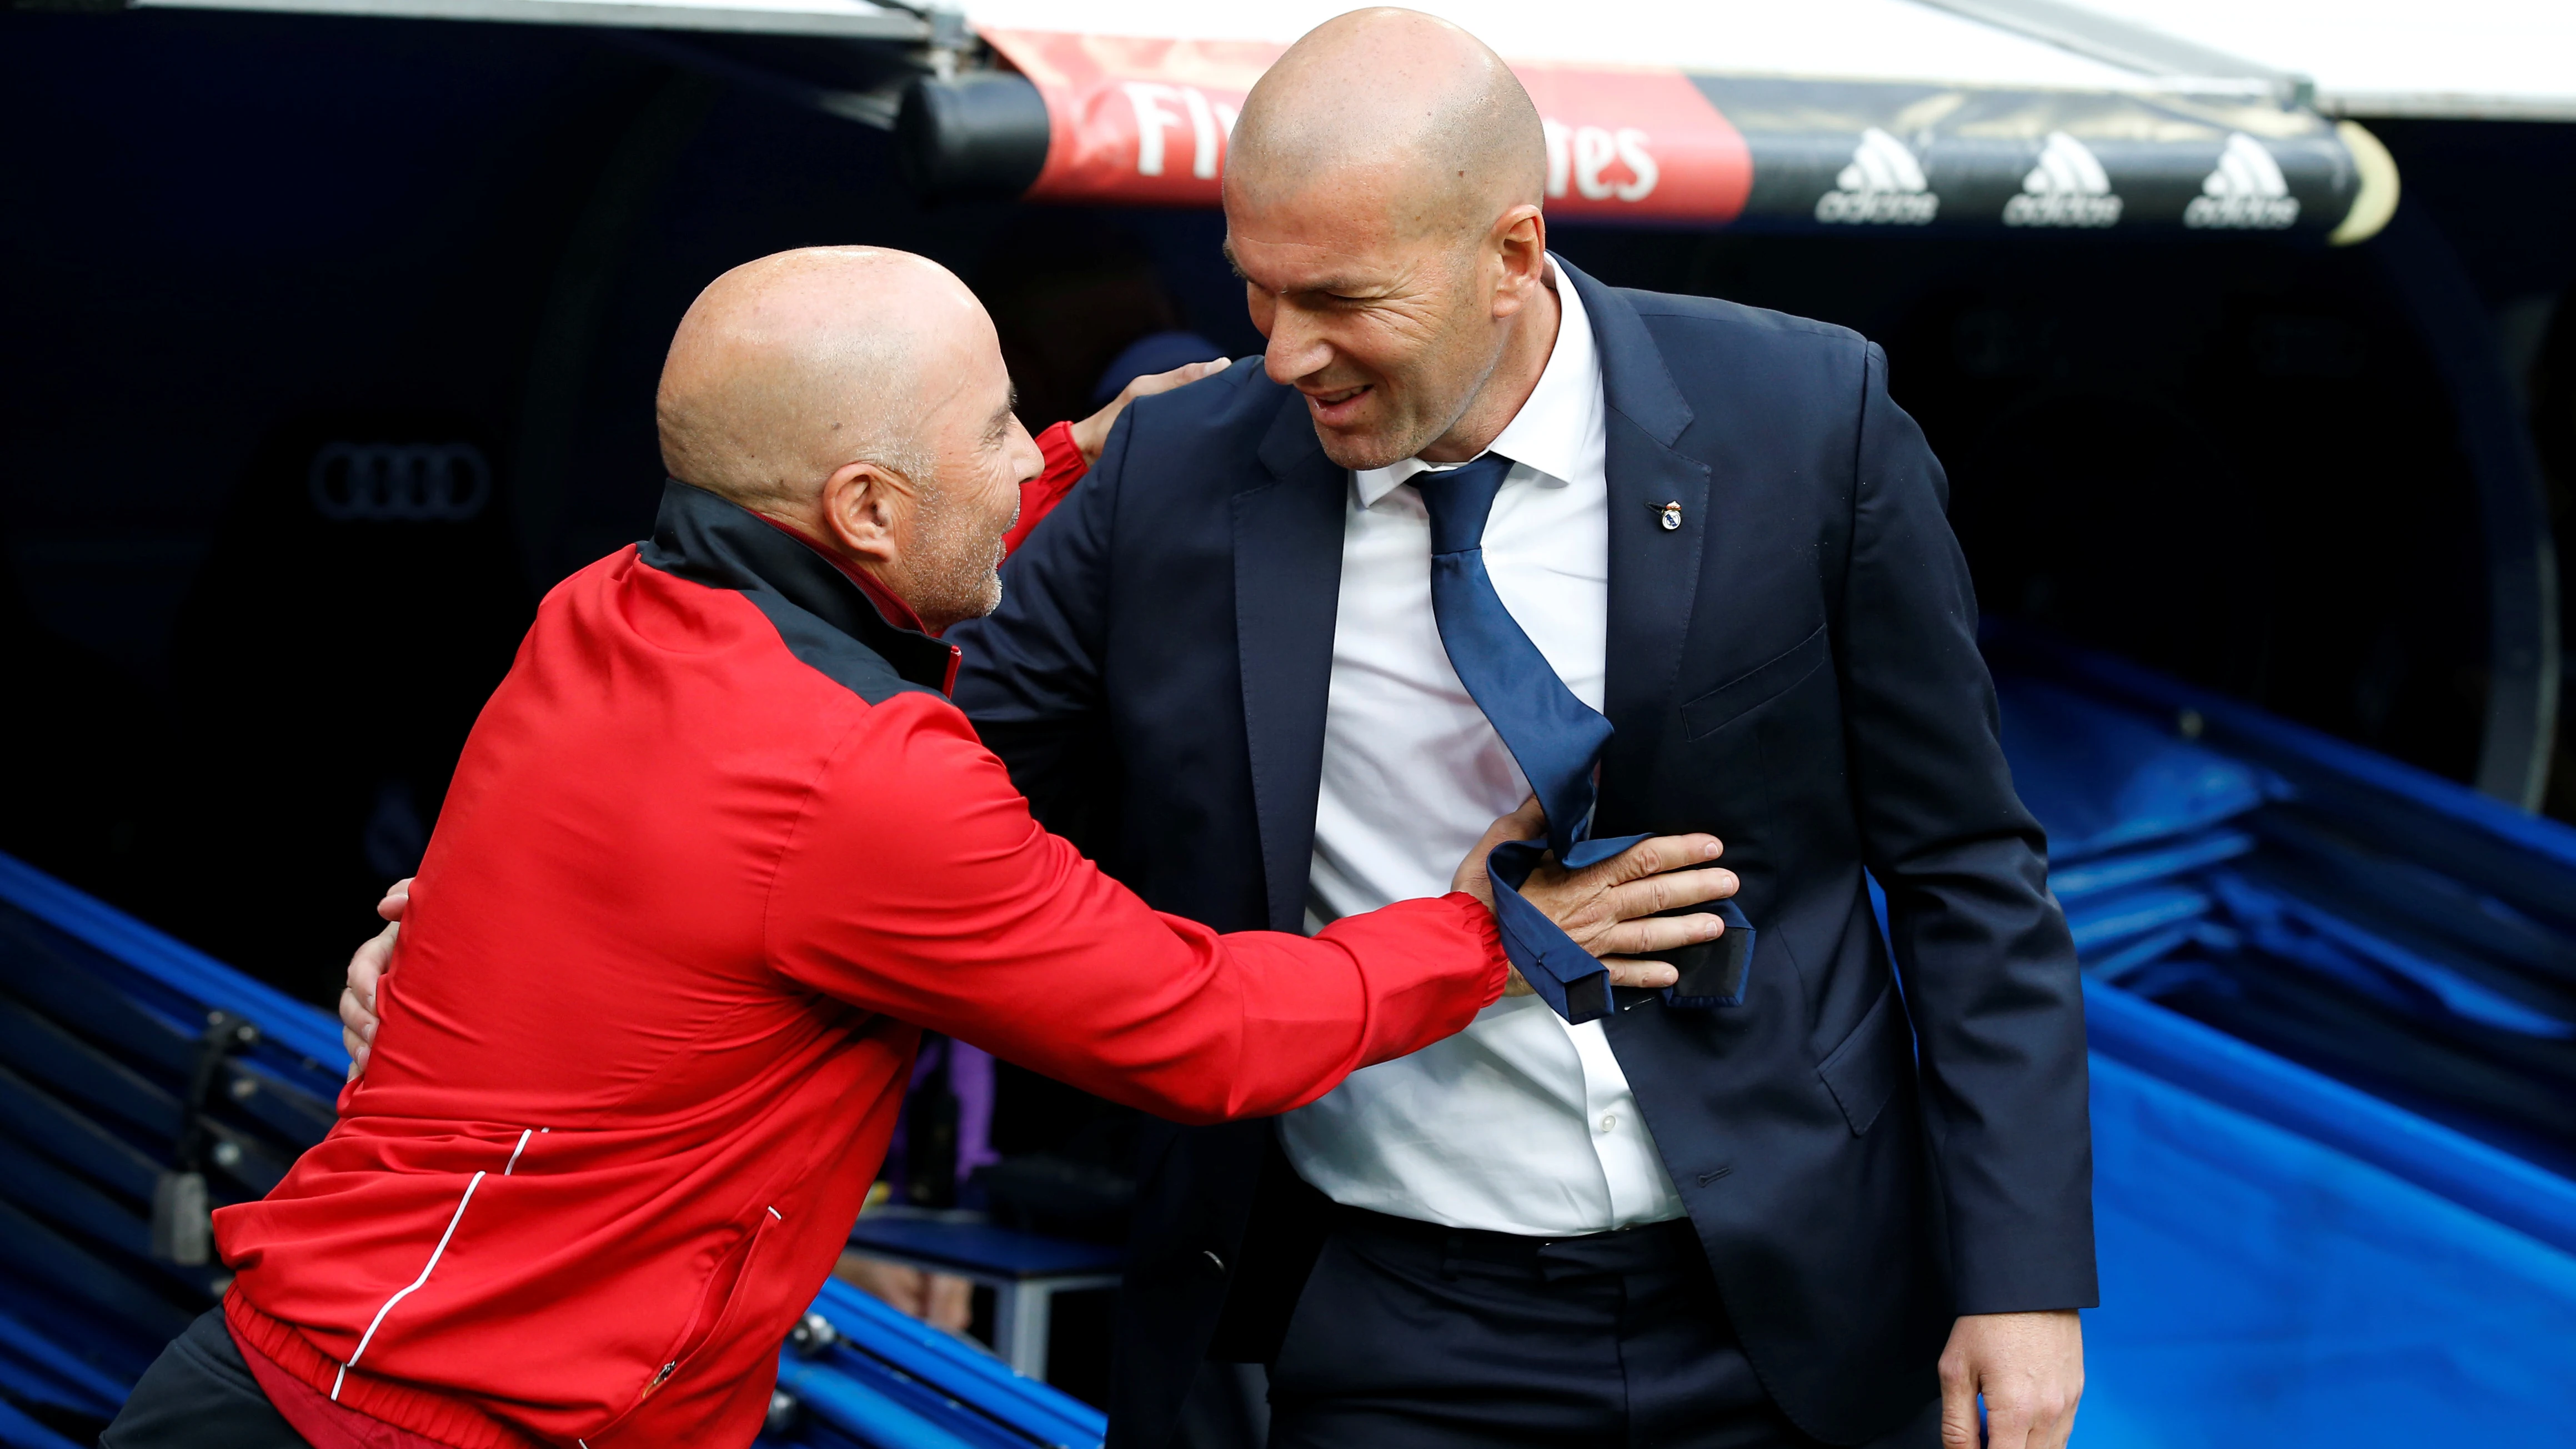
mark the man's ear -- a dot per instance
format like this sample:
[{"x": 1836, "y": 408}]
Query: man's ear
[
  {"x": 860, "y": 502},
  {"x": 1520, "y": 237}
]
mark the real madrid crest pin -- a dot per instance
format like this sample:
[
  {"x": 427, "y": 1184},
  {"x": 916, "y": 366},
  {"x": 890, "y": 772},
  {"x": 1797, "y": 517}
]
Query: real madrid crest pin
[{"x": 1670, "y": 516}]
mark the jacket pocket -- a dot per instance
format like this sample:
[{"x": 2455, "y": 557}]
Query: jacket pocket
[
  {"x": 1862, "y": 1071},
  {"x": 715, "y": 1308},
  {"x": 1722, "y": 706}
]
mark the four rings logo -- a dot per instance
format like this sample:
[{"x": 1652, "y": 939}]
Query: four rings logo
[{"x": 399, "y": 482}]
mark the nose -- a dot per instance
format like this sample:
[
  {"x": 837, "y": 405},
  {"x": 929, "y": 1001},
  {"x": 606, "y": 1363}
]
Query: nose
[
  {"x": 1027, "y": 461},
  {"x": 1297, "y": 347}
]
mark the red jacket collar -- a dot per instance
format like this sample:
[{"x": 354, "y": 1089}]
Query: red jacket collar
[
  {"x": 699, "y": 536},
  {"x": 888, "y": 602}
]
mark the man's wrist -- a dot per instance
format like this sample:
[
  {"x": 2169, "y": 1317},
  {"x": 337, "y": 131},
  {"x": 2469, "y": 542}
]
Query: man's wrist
[{"x": 1087, "y": 438}]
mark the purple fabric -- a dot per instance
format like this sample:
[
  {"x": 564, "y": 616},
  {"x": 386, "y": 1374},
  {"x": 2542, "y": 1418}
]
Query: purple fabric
[
  {"x": 970, "y": 1076},
  {"x": 970, "y": 1080}
]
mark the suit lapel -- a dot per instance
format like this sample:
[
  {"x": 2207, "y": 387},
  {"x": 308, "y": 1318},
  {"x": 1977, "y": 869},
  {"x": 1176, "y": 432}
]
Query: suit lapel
[
  {"x": 1287, "y": 586},
  {"x": 1654, "y": 571}
]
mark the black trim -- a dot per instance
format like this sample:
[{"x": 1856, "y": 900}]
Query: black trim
[{"x": 825, "y": 620}]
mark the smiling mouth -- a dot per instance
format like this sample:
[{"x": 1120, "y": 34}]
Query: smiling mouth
[{"x": 1338, "y": 404}]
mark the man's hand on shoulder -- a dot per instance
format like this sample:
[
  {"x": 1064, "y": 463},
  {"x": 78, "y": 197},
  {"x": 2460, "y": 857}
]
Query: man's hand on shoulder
[
  {"x": 2029, "y": 1367},
  {"x": 1092, "y": 433},
  {"x": 358, "y": 1015}
]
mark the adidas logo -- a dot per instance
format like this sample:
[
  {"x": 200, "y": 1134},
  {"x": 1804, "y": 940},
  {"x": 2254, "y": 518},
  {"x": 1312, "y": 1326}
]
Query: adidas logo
[
  {"x": 2247, "y": 190},
  {"x": 1883, "y": 183},
  {"x": 2067, "y": 188}
]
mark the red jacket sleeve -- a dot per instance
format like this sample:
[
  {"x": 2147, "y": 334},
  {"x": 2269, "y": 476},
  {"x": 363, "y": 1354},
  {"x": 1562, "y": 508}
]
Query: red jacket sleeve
[
  {"x": 918, "y": 885},
  {"x": 1040, "y": 495}
]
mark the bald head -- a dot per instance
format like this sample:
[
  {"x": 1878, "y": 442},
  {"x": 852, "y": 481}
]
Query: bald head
[
  {"x": 1383, "y": 195},
  {"x": 857, "y": 396},
  {"x": 1413, "y": 109},
  {"x": 787, "y": 368}
]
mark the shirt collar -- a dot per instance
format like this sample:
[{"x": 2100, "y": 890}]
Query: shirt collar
[{"x": 1557, "y": 431}]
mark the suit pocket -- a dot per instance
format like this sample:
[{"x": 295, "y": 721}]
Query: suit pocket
[
  {"x": 1758, "y": 686},
  {"x": 1862, "y": 1072}
]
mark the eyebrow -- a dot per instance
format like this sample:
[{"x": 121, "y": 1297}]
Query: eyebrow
[{"x": 1329, "y": 286}]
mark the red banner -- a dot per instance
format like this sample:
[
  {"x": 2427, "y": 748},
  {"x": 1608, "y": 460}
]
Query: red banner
[{"x": 1133, "y": 120}]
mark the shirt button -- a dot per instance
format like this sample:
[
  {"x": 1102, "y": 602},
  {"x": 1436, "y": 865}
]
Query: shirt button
[{"x": 1609, "y": 1121}]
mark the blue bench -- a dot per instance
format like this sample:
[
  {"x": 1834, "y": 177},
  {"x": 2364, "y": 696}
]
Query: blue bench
[{"x": 1024, "y": 1270}]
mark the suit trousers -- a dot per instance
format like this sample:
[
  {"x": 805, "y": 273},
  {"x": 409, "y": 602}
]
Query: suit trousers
[{"x": 1413, "y": 1336}]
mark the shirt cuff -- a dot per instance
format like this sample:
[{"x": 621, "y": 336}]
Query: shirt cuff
[{"x": 1039, "y": 496}]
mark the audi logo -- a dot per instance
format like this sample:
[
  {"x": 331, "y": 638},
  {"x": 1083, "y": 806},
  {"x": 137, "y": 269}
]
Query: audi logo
[{"x": 400, "y": 482}]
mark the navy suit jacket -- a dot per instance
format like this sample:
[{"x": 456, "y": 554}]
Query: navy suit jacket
[{"x": 1794, "y": 669}]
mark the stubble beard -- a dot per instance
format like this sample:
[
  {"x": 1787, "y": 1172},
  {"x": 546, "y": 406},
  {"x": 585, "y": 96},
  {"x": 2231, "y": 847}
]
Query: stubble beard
[
  {"x": 962, "y": 580},
  {"x": 1364, "y": 454},
  {"x": 1362, "y": 457}
]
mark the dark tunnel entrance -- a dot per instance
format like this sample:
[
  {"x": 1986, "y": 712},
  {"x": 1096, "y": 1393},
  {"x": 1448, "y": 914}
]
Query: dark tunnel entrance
[{"x": 247, "y": 240}]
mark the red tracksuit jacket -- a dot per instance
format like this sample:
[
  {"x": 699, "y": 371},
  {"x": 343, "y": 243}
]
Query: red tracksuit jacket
[{"x": 716, "y": 851}]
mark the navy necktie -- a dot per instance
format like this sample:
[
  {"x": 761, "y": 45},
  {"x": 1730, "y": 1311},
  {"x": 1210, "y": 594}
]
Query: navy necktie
[{"x": 1555, "y": 738}]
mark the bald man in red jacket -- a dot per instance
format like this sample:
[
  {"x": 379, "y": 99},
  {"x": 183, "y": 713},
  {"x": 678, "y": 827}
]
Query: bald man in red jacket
[{"x": 718, "y": 849}]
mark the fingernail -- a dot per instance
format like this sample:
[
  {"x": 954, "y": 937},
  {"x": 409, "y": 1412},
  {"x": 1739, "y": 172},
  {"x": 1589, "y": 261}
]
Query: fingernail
[{"x": 1708, "y": 851}]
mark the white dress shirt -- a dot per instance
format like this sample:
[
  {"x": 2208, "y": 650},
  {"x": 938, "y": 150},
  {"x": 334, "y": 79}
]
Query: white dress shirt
[{"x": 1521, "y": 1123}]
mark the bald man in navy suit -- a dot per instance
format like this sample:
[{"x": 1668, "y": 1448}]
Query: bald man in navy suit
[{"x": 1828, "y": 1202}]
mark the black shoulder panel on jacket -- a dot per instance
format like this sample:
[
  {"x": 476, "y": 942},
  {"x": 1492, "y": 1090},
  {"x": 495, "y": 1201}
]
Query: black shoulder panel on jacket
[{"x": 824, "y": 619}]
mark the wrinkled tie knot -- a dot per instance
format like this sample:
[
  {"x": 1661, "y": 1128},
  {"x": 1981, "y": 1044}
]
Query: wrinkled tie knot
[{"x": 1460, "y": 499}]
